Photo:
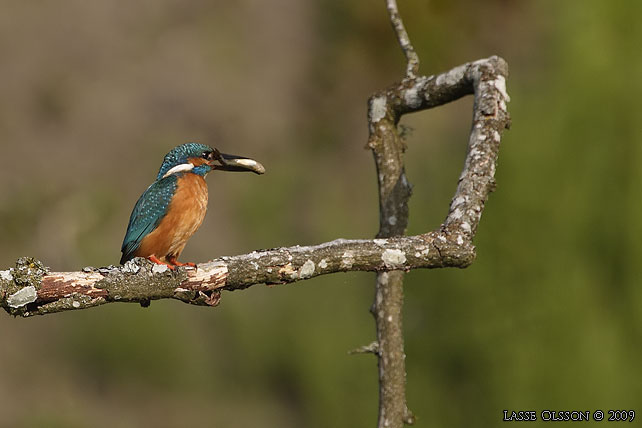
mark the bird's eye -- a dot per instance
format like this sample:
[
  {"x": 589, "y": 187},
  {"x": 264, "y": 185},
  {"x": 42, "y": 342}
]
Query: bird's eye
[{"x": 206, "y": 155}]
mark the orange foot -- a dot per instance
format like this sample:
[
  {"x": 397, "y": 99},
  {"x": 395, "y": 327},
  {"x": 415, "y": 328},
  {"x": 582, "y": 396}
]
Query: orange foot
[
  {"x": 156, "y": 260},
  {"x": 175, "y": 262}
]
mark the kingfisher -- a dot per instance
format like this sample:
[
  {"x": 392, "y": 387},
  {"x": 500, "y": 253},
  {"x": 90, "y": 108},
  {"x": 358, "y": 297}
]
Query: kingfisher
[{"x": 173, "y": 207}]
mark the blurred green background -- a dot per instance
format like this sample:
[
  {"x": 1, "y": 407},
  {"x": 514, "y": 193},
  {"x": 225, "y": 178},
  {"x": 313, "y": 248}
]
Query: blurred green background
[{"x": 548, "y": 317}]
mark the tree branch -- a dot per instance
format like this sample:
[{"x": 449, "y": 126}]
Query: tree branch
[
  {"x": 412, "y": 59},
  {"x": 394, "y": 193},
  {"x": 30, "y": 289},
  {"x": 486, "y": 78}
]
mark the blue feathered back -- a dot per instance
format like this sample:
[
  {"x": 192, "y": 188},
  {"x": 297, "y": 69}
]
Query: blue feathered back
[{"x": 147, "y": 214}]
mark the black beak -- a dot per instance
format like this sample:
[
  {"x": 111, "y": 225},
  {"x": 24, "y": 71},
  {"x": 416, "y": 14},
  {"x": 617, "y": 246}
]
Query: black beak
[{"x": 236, "y": 163}]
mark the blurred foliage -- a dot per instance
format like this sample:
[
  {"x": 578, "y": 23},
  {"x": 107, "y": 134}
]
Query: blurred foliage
[{"x": 94, "y": 94}]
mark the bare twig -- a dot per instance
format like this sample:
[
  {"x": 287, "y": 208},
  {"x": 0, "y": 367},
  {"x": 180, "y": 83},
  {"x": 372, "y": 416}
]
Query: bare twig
[
  {"x": 412, "y": 59},
  {"x": 371, "y": 348}
]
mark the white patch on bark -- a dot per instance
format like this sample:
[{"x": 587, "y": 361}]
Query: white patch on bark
[
  {"x": 323, "y": 264},
  {"x": 392, "y": 220},
  {"x": 411, "y": 97},
  {"x": 23, "y": 297},
  {"x": 347, "y": 259},
  {"x": 452, "y": 77},
  {"x": 422, "y": 253},
  {"x": 466, "y": 227},
  {"x": 159, "y": 268},
  {"x": 130, "y": 267},
  {"x": 383, "y": 278},
  {"x": 458, "y": 201},
  {"x": 380, "y": 242},
  {"x": 378, "y": 109},
  {"x": 307, "y": 269},
  {"x": 6, "y": 275},
  {"x": 500, "y": 84},
  {"x": 393, "y": 258}
]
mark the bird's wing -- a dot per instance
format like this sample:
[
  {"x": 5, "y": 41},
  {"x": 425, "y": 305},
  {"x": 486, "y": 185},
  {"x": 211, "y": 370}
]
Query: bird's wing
[{"x": 147, "y": 214}]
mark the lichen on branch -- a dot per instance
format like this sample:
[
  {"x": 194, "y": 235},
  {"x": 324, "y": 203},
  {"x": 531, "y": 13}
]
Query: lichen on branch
[{"x": 30, "y": 289}]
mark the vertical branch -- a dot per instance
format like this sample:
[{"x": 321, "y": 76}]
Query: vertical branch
[
  {"x": 412, "y": 59},
  {"x": 394, "y": 192},
  {"x": 486, "y": 79},
  {"x": 388, "y": 307}
]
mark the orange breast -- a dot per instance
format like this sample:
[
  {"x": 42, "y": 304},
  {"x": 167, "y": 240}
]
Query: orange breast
[{"x": 184, "y": 216}]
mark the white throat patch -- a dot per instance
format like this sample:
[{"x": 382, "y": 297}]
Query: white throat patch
[{"x": 179, "y": 168}]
